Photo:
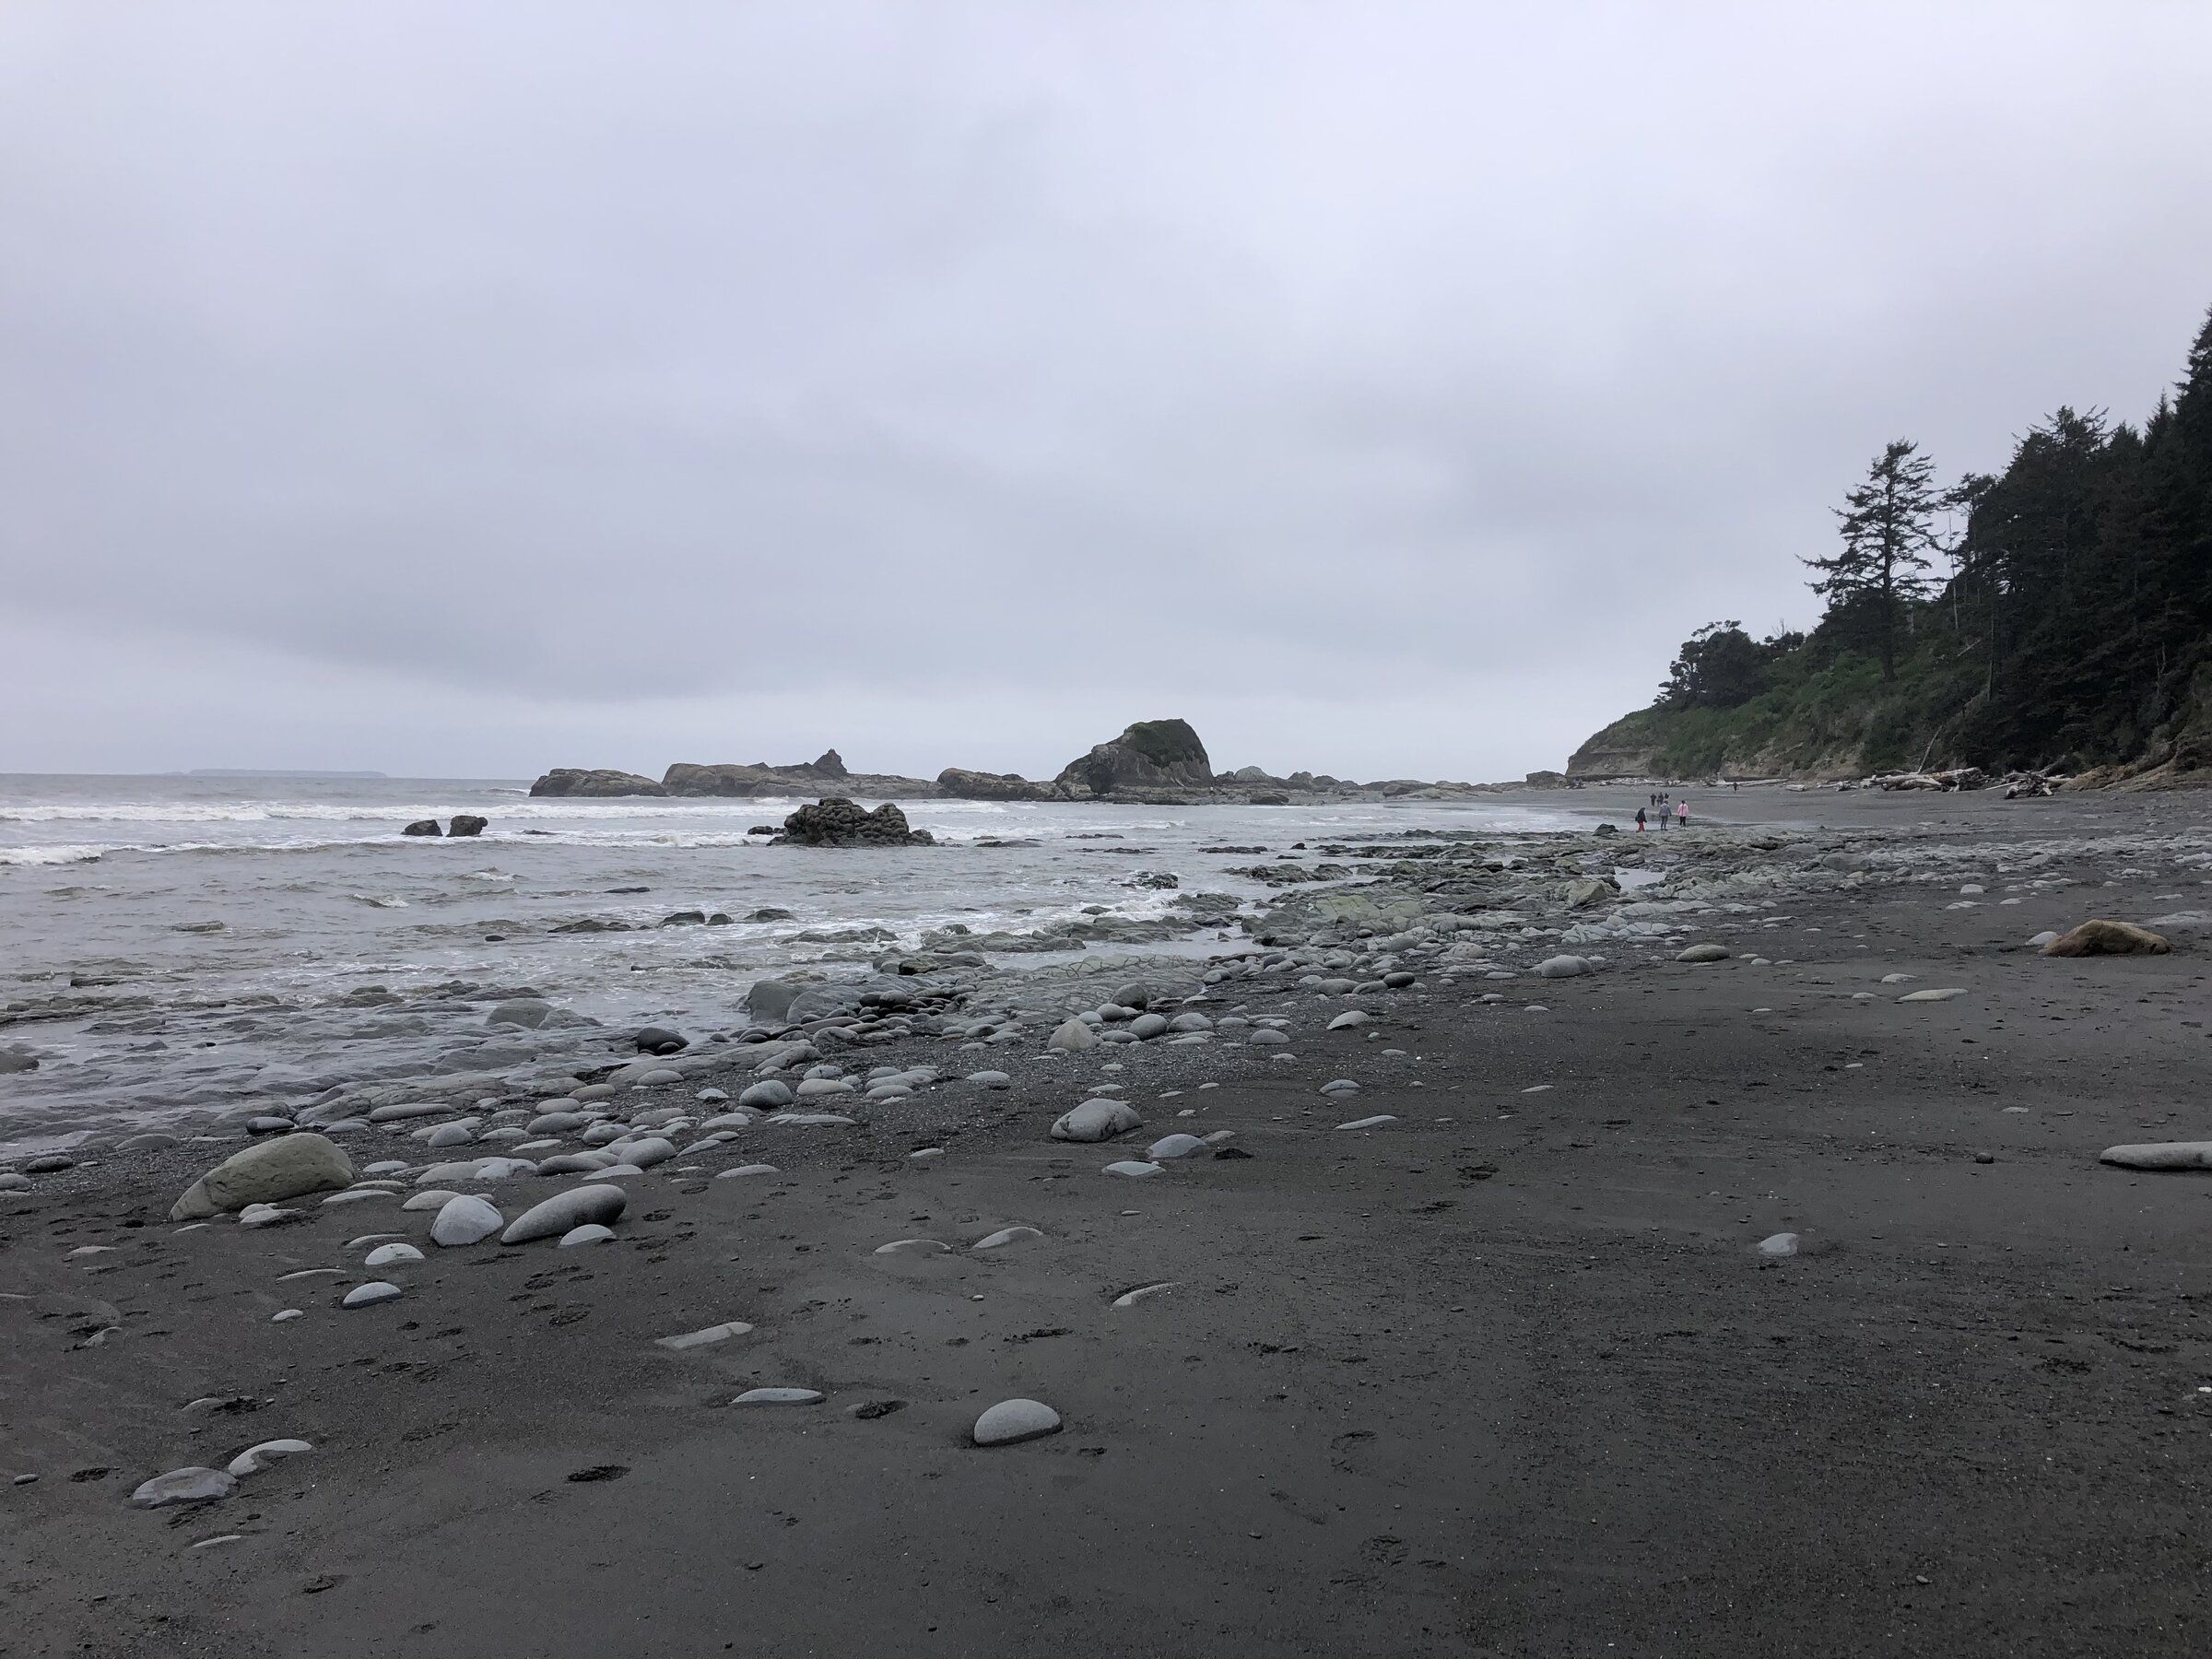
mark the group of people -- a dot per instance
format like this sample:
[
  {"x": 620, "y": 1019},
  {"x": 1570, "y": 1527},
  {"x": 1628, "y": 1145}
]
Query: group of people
[{"x": 1665, "y": 807}]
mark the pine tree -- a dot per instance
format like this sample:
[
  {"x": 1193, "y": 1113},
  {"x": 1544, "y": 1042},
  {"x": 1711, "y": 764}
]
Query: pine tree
[{"x": 1888, "y": 531}]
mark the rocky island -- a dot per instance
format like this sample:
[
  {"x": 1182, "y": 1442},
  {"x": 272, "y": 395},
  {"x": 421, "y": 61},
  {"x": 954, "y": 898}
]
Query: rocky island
[{"x": 1153, "y": 762}]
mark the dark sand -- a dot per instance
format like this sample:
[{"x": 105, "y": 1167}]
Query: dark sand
[{"x": 1516, "y": 1382}]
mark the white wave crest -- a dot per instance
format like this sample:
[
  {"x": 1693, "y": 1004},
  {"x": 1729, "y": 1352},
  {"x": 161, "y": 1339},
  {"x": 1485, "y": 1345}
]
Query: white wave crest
[{"x": 51, "y": 855}]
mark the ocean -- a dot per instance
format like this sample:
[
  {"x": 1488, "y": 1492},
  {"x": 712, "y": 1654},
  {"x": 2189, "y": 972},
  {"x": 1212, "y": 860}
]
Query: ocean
[{"x": 176, "y": 943}]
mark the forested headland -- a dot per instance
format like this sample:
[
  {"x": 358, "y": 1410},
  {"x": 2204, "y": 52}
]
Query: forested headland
[{"x": 2056, "y": 615}]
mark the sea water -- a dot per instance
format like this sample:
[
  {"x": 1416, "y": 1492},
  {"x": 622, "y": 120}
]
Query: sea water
[{"x": 174, "y": 943}]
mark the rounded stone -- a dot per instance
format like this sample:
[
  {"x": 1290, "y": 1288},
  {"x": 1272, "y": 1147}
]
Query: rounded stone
[
  {"x": 1096, "y": 1121},
  {"x": 464, "y": 1218},
  {"x": 1072, "y": 1036},
  {"x": 1010, "y": 1422},
  {"x": 566, "y": 1211}
]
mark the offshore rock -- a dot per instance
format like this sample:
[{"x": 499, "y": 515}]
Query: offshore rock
[
  {"x": 576, "y": 781},
  {"x": 963, "y": 784},
  {"x": 1152, "y": 754},
  {"x": 836, "y": 822}
]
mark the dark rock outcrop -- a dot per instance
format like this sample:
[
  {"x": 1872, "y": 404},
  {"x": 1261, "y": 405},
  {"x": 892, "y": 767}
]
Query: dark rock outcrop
[
  {"x": 467, "y": 823},
  {"x": 686, "y": 778},
  {"x": 759, "y": 778},
  {"x": 836, "y": 822},
  {"x": 963, "y": 784},
  {"x": 1150, "y": 755},
  {"x": 423, "y": 827},
  {"x": 578, "y": 781}
]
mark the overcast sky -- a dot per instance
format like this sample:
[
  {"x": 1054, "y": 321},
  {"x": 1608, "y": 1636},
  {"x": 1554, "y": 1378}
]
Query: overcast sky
[{"x": 470, "y": 389}]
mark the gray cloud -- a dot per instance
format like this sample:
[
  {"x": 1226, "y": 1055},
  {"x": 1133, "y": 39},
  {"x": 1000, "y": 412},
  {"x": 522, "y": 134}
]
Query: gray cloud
[{"x": 1386, "y": 388}]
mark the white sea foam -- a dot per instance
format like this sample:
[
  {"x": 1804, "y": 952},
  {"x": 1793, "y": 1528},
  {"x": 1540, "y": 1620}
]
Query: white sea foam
[{"x": 64, "y": 854}]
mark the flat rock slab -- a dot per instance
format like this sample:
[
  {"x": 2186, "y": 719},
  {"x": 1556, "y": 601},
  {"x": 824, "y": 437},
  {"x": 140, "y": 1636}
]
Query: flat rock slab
[
  {"x": 1703, "y": 953},
  {"x": 1133, "y": 1170},
  {"x": 1369, "y": 1122},
  {"x": 1129, "y": 1298},
  {"x": 254, "y": 1459},
  {"x": 705, "y": 1337},
  {"x": 2160, "y": 1155},
  {"x": 1010, "y": 1422},
  {"x": 1174, "y": 1146},
  {"x": 1938, "y": 993},
  {"x": 778, "y": 1396},
  {"x": 913, "y": 1247},
  {"x": 371, "y": 1294},
  {"x": 591, "y": 1232},
  {"x": 1006, "y": 1236},
  {"x": 194, "y": 1484}
]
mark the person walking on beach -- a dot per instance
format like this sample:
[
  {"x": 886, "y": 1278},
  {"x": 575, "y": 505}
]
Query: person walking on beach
[
  {"x": 1639, "y": 821},
  {"x": 1683, "y": 809}
]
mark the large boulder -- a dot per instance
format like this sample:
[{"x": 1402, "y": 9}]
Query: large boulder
[
  {"x": 576, "y": 1207},
  {"x": 423, "y": 827},
  {"x": 575, "y": 781},
  {"x": 467, "y": 823},
  {"x": 266, "y": 1173},
  {"x": 1152, "y": 754},
  {"x": 964, "y": 785},
  {"x": 836, "y": 822},
  {"x": 2108, "y": 938}
]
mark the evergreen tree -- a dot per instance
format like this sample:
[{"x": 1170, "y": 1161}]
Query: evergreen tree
[{"x": 1889, "y": 530}]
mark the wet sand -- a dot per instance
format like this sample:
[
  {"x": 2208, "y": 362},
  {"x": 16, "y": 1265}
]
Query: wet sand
[{"x": 1507, "y": 1375}]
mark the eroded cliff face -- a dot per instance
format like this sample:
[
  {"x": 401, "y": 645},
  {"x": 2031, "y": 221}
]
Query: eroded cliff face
[{"x": 1603, "y": 757}]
